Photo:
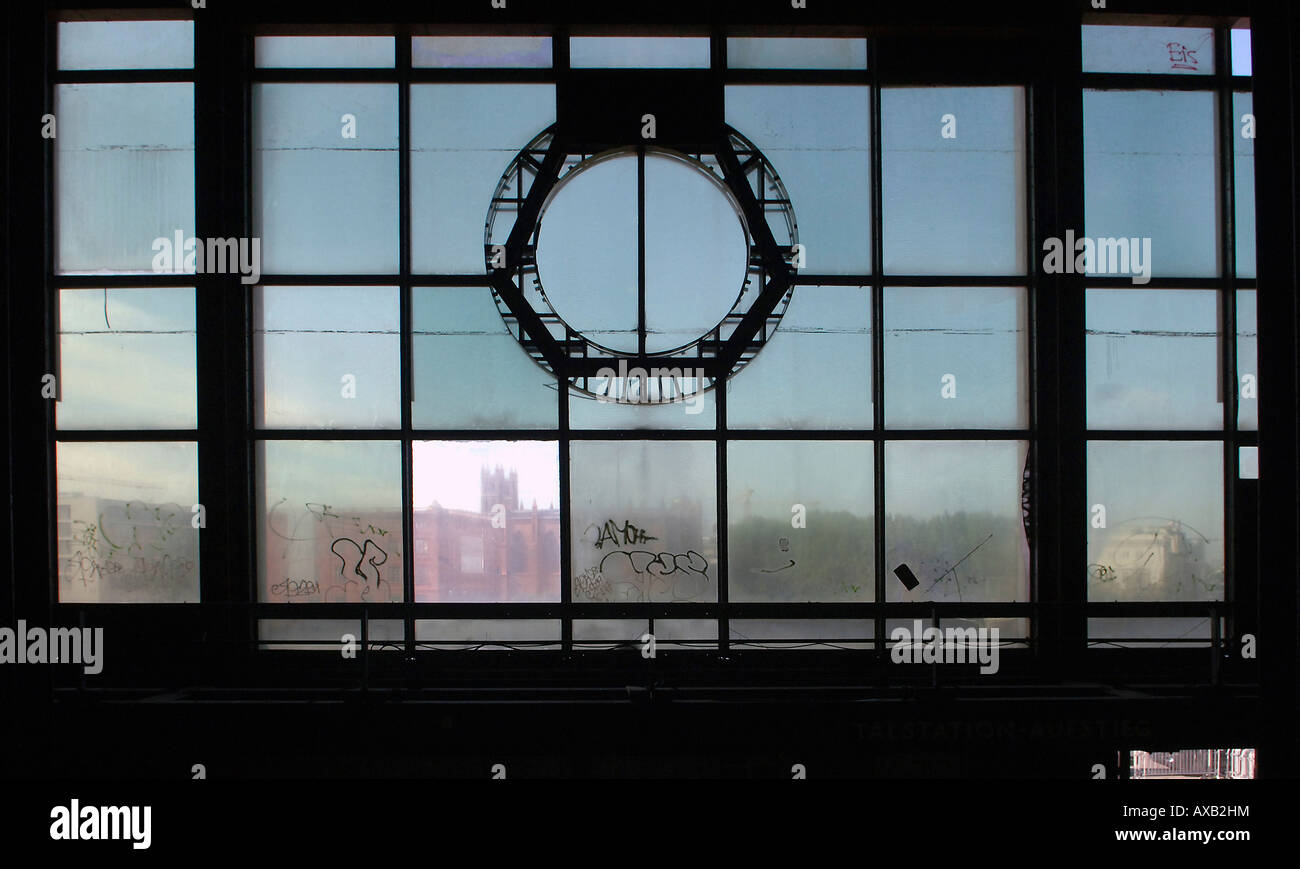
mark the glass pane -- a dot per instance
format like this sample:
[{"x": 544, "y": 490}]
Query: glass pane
[
  {"x": 127, "y": 359},
  {"x": 327, "y": 357},
  {"x": 1155, "y": 529},
  {"x": 954, "y": 516},
  {"x": 468, "y": 371},
  {"x": 698, "y": 410},
  {"x": 644, "y": 521},
  {"x": 813, "y": 634},
  {"x": 328, "y": 635},
  {"x": 1114, "y": 48},
  {"x": 1150, "y": 172},
  {"x": 1241, "y": 60},
  {"x": 818, "y": 139},
  {"x": 800, "y": 521},
  {"x": 1180, "y": 633},
  {"x": 325, "y": 177},
  {"x": 330, "y": 521},
  {"x": 487, "y": 521},
  {"x": 124, "y": 174},
  {"x": 1153, "y": 359},
  {"x": 124, "y": 522},
  {"x": 632, "y": 52},
  {"x": 126, "y": 45},
  {"x": 796, "y": 53},
  {"x": 481, "y": 51},
  {"x": 587, "y": 252},
  {"x": 956, "y": 358},
  {"x": 463, "y": 137},
  {"x": 954, "y": 180},
  {"x": 1247, "y": 362},
  {"x": 815, "y": 372},
  {"x": 696, "y": 253},
  {"x": 1243, "y": 181},
  {"x": 1248, "y": 463},
  {"x": 305, "y": 52},
  {"x": 477, "y": 634}
]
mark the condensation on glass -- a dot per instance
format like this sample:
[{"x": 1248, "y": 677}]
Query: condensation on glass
[
  {"x": 639, "y": 52},
  {"x": 768, "y": 52},
  {"x": 126, "y": 44},
  {"x": 329, "y": 525},
  {"x": 800, "y": 521},
  {"x": 644, "y": 521},
  {"x": 326, "y": 357},
  {"x": 1171, "y": 50},
  {"x": 126, "y": 522},
  {"x": 954, "y": 514},
  {"x": 484, "y": 52},
  {"x": 309, "y": 52}
]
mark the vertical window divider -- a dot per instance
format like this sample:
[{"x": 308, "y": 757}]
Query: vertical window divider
[
  {"x": 402, "y": 36},
  {"x": 877, "y": 344}
]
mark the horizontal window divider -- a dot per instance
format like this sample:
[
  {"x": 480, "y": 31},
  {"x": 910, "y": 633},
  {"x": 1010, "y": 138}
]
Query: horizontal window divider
[
  {"x": 1213, "y": 435},
  {"x": 482, "y": 75},
  {"x": 955, "y": 434},
  {"x": 143, "y": 280},
  {"x": 326, "y": 75},
  {"x": 1140, "y": 81},
  {"x": 119, "y": 434},
  {"x": 388, "y": 280},
  {"x": 123, "y": 76}
]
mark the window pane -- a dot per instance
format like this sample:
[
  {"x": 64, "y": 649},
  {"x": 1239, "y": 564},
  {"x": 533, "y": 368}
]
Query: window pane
[
  {"x": 954, "y": 517},
  {"x": 481, "y": 51},
  {"x": 325, "y": 177},
  {"x": 802, "y": 633},
  {"x": 1243, "y": 182},
  {"x": 631, "y": 52},
  {"x": 330, "y": 521},
  {"x": 468, "y": 371},
  {"x": 1153, "y": 359},
  {"x": 124, "y": 531},
  {"x": 487, "y": 521},
  {"x": 124, "y": 174},
  {"x": 796, "y": 53},
  {"x": 324, "y": 51},
  {"x": 1247, "y": 361},
  {"x": 1149, "y": 633},
  {"x": 956, "y": 358},
  {"x": 326, "y": 635},
  {"x": 1114, "y": 48},
  {"x": 698, "y": 410},
  {"x": 1150, "y": 172},
  {"x": 327, "y": 357},
  {"x": 1241, "y": 60},
  {"x": 818, "y": 140},
  {"x": 1160, "y": 508},
  {"x": 800, "y": 521},
  {"x": 644, "y": 521},
  {"x": 954, "y": 205},
  {"x": 463, "y": 137},
  {"x": 478, "y": 634},
  {"x": 127, "y": 359},
  {"x": 126, "y": 45},
  {"x": 815, "y": 372}
]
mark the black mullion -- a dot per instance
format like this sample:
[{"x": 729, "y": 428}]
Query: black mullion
[
  {"x": 407, "y": 389},
  {"x": 718, "y": 65},
  {"x": 1114, "y": 81},
  {"x": 640, "y": 249},
  {"x": 1228, "y": 309},
  {"x": 877, "y": 345},
  {"x": 1032, "y": 385},
  {"x": 566, "y": 513}
]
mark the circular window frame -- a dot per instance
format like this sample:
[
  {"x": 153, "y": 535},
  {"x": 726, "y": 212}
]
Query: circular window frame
[{"x": 708, "y": 349}]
